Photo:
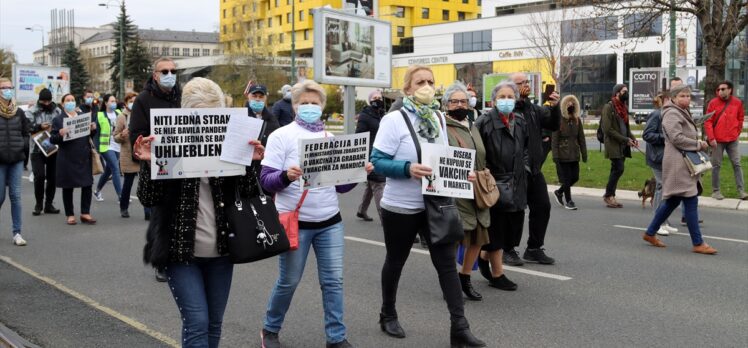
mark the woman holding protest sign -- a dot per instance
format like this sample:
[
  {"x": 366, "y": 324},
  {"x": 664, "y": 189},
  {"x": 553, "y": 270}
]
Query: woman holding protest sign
[
  {"x": 320, "y": 223},
  {"x": 395, "y": 155},
  {"x": 74, "y": 167},
  {"x": 190, "y": 230}
]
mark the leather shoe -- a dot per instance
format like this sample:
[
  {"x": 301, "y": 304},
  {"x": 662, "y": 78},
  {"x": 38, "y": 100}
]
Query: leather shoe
[
  {"x": 50, "y": 209},
  {"x": 653, "y": 240},
  {"x": 391, "y": 326},
  {"x": 37, "y": 210},
  {"x": 364, "y": 217},
  {"x": 704, "y": 248},
  {"x": 88, "y": 220}
]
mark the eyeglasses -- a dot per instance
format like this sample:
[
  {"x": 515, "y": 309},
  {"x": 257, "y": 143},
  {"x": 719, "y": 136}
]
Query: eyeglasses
[
  {"x": 166, "y": 71},
  {"x": 457, "y": 101},
  {"x": 523, "y": 83},
  {"x": 722, "y": 89},
  {"x": 10, "y": 87}
]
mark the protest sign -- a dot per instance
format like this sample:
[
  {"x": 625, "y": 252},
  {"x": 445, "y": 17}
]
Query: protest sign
[
  {"x": 450, "y": 167},
  {"x": 78, "y": 126},
  {"x": 41, "y": 139},
  {"x": 333, "y": 161},
  {"x": 188, "y": 142},
  {"x": 241, "y": 130}
]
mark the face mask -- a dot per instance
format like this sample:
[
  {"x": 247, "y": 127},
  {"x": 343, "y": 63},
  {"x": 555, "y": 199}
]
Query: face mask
[
  {"x": 256, "y": 106},
  {"x": 624, "y": 97},
  {"x": 472, "y": 101},
  {"x": 424, "y": 95},
  {"x": 459, "y": 114},
  {"x": 46, "y": 107},
  {"x": 287, "y": 96},
  {"x": 167, "y": 81},
  {"x": 377, "y": 104},
  {"x": 89, "y": 100},
  {"x": 310, "y": 113},
  {"x": 570, "y": 109},
  {"x": 69, "y": 106},
  {"x": 7, "y": 94},
  {"x": 505, "y": 106},
  {"x": 112, "y": 106},
  {"x": 129, "y": 106}
]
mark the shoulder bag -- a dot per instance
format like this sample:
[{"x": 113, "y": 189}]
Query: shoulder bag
[
  {"x": 255, "y": 230},
  {"x": 96, "y": 166},
  {"x": 697, "y": 162},
  {"x": 484, "y": 188},
  {"x": 444, "y": 224},
  {"x": 290, "y": 222}
]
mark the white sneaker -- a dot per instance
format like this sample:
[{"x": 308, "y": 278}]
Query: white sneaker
[
  {"x": 31, "y": 177},
  {"x": 18, "y": 240},
  {"x": 669, "y": 228},
  {"x": 663, "y": 232},
  {"x": 99, "y": 196}
]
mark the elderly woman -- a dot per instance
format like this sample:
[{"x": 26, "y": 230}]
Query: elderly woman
[
  {"x": 678, "y": 185},
  {"x": 655, "y": 139},
  {"x": 504, "y": 133},
  {"x": 190, "y": 230},
  {"x": 129, "y": 167},
  {"x": 461, "y": 132},
  {"x": 403, "y": 215},
  {"x": 320, "y": 223},
  {"x": 14, "y": 127}
]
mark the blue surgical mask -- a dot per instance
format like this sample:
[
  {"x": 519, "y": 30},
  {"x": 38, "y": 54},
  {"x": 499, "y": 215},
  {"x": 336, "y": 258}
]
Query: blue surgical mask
[
  {"x": 112, "y": 106},
  {"x": 167, "y": 81},
  {"x": 256, "y": 105},
  {"x": 89, "y": 100},
  {"x": 69, "y": 106},
  {"x": 8, "y": 94},
  {"x": 310, "y": 113},
  {"x": 505, "y": 106},
  {"x": 129, "y": 106}
]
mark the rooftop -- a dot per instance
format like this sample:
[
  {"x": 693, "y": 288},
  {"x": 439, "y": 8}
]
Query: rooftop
[{"x": 161, "y": 35}]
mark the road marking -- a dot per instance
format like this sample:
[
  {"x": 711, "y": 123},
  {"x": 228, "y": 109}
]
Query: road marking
[
  {"x": 91, "y": 302},
  {"x": 26, "y": 177},
  {"x": 686, "y": 234},
  {"x": 508, "y": 268}
]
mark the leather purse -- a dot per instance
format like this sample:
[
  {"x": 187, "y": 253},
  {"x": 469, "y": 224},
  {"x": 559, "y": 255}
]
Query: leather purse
[
  {"x": 96, "y": 166},
  {"x": 697, "y": 162},
  {"x": 290, "y": 222},
  {"x": 255, "y": 230},
  {"x": 484, "y": 188}
]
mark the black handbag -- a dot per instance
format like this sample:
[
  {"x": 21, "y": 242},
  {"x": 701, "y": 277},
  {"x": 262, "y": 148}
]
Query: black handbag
[
  {"x": 505, "y": 184},
  {"x": 444, "y": 222},
  {"x": 255, "y": 233}
]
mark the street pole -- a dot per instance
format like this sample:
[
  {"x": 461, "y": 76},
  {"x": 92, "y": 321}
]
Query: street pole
[
  {"x": 44, "y": 51},
  {"x": 293, "y": 41},
  {"x": 349, "y": 109},
  {"x": 122, "y": 53},
  {"x": 673, "y": 50}
]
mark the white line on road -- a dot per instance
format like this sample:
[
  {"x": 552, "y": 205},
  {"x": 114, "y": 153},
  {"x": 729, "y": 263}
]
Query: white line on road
[
  {"x": 26, "y": 177},
  {"x": 508, "y": 268},
  {"x": 686, "y": 234}
]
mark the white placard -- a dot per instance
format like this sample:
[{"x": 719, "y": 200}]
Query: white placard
[
  {"x": 450, "y": 169},
  {"x": 188, "y": 143},
  {"x": 42, "y": 141},
  {"x": 77, "y": 127},
  {"x": 241, "y": 130},
  {"x": 333, "y": 161}
]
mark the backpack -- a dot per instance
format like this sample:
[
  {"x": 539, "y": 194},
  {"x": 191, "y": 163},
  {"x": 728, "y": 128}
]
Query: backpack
[{"x": 600, "y": 134}]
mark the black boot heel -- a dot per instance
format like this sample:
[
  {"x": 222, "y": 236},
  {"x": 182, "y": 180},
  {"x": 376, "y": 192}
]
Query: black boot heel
[{"x": 391, "y": 326}]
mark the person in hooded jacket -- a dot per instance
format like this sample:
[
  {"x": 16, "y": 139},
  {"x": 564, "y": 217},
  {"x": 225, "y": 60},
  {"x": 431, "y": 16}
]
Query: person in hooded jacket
[
  {"x": 43, "y": 167},
  {"x": 567, "y": 144},
  {"x": 368, "y": 121},
  {"x": 282, "y": 109}
]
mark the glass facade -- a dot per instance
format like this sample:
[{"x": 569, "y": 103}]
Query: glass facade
[
  {"x": 472, "y": 41},
  {"x": 590, "y": 29},
  {"x": 640, "y": 60},
  {"x": 592, "y": 78},
  {"x": 641, "y": 25}
]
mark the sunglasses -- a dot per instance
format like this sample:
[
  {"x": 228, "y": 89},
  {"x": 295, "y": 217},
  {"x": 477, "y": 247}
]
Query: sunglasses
[
  {"x": 166, "y": 72},
  {"x": 722, "y": 89}
]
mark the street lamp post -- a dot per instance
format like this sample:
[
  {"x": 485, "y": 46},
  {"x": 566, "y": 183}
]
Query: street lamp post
[
  {"x": 40, "y": 29},
  {"x": 293, "y": 41},
  {"x": 121, "y": 48}
]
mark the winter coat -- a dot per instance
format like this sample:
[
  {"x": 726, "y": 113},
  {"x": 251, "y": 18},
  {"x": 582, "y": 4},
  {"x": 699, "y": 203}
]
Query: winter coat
[
  {"x": 506, "y": 153},
  {"x": 14, "y": 135},
  {"x": 730, "y": 122},
  {"x": 368, "y": 121},
  {"x": 152, "y": 97},
  {"x": 655, "y": 139},
  {"x": 36, "y": 116},
  {"x": 461, "y": 136},
  {"x": 617, "y": 133},
  {"x": 568, "y": 142},
  {"x": 73, "y": 158},
  {"x": 681, "y": 135},
  {"x": 537, "y": 118},
  {"x": 283, "y": 112},
  {"x": 126, "y": 163}
]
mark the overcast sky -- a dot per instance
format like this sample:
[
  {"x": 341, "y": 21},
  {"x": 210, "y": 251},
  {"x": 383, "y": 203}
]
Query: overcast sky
[{"x": 16, "y": 15}]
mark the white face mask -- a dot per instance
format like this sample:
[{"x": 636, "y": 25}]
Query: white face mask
[{"x": 472, "y": 101}]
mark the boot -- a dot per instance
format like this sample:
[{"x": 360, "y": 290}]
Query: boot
[
  {"x": 50, "y": 209},
  {"x": 460, "y": 335},
  {"x": 37, "y": 210},
  {"x": 390, "y": 325},
  {"x": 467, "y": 288}
]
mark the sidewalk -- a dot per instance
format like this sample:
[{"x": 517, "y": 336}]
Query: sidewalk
[{"x": 708, "y": 202}]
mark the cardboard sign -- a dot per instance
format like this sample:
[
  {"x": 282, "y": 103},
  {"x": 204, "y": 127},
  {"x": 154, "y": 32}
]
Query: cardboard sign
[
  {"x": 334, "y": 161},
  {"x": 450, "y": 169}
]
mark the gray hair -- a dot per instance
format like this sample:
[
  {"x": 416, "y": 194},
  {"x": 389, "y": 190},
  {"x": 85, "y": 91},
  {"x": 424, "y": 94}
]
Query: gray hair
[
  {"x": 160, "y": 60},
  {"x": 202, "y": 93},
  {"x": 457, "y": 86},
  {"x": 503, "y": 84},
  {"x": 308, "y": 86},
  {"x": 677, "y": 89}
]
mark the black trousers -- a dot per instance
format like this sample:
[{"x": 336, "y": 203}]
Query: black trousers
[
  {"x": 67, "y": 200},
  {"x": 616, "y": 171},
  {"x": 568, "y": 175},
  {"x": 45, "y": 170},
  {"x": 399, "y": 233},
  {"x": 124, "y": 199},
  {"x": 505, "y": 231},
  {"x": 540, "y": 210}
]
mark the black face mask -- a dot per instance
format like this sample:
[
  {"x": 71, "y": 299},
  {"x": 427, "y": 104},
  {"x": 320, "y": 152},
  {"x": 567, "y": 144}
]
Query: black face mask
[
  {"x": 47, "y": 107},
  {"x": 377, "y": 104},
  {"x": 459, "y": 114},
  {"x": 570, "y": 109},
  {"x": 624, "y": 97}
]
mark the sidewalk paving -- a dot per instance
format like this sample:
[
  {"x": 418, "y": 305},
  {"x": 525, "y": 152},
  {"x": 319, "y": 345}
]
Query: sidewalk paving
[{"x": 709, "y": 202}]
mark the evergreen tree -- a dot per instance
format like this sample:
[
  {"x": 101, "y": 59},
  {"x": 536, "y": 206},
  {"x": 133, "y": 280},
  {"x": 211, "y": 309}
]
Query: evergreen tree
[
  {"x": 79, "y": 77},
  {"x": 128, "y": 34},
  {"x": 138, "y": 63},
  {"x": 7, "y": 58}
]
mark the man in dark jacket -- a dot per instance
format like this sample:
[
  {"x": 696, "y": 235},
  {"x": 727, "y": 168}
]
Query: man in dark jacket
[
  {"x": 43, "y": 167},
  {"x": 368, "y": 121},
  {"x": 161, "y": 92},
  {"x": 539, "y": 118},
  {"x": 256, "y": 101},
  {"x": 282, "y": 109}
]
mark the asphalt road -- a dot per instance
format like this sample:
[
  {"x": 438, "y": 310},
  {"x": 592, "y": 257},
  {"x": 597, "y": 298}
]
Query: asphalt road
[{"x": 608, "y": 288}]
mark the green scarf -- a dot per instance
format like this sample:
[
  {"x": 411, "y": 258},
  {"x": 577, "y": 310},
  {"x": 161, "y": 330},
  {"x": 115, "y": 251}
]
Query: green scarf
[
  {"x": 9, "y": 110},
  {"x": 428, "y": 128}
]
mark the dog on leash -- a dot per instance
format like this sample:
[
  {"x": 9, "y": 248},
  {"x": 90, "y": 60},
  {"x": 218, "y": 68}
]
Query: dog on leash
[{"x": 648, "y": 191}]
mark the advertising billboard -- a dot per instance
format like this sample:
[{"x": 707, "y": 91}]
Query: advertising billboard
[
  {"x": 644, "y": 85},
  {"x": 352, "y": 50},
  {"x": 29, "y": 80}
]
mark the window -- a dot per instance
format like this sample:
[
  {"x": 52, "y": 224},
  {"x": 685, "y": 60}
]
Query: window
[
  {"x": 186, "y": 52},
  {"x": 206, "y": 51},
  {"x": 445, "y": 15},
  {"x": 280, "y": 37},
  {"x": 254, "y": 7},
  {"x": 400, "y": 31},
  {"x": 472, "y": 41},
  {"x": 259, "y": 41},
  {"x": 250, "y": 42},
  {"x": 276, "y": 3},
  {"x": 592, "y": 78},
  {"x": 233, "y": 11},
  {"x": 216, "y": 52},
  {"x": 400, "y": 12},
  {"x": 175, "y": 51},
  {"x": 460, "y": 16},
  {"x": 465, "y": 1},
  {"x": 425, "y": 13},
  {"x": 590, "y": 29},
  {"x": 288, "y": 17},
  {"x": 258, "y": 24},
  {"x": 164, "y": 51},
  {"x": 280, "y": 20},
  {"x": 640, "y": 60},
  {"x": 288, "y": 2},
  {"x": 270, "y": 22},
  {"x": 642, "y": 25},
  {"x": 233, "y": 28},
  {"x": 306, "y": 34},
  {"x": 154, "y": 51},
  {"x": 301, "y": 15},
  {"x": 270, "y": 39},
  {"x": 224, "y": 13},
  {"x": 196, "y": 52},
  {"x": 244, "y": 9},
  {"x": 225, "y": 29}
]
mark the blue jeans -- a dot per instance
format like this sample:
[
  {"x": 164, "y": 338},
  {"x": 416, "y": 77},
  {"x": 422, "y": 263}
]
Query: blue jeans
[
  {"x": 328, "y": 247},
  {"x": 690, "y": 207},
  {"x": 10, "y": 175},
  {"x": 201, "y": 291},
  {"x": 111, "y": 168}
]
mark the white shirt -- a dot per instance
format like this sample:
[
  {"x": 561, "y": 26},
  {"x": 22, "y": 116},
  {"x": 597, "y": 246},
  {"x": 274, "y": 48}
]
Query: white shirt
[
  {"x": 113, "y": 145},
  {"x": 394, "y": 139},
  {"x": 282, "y": 152}
]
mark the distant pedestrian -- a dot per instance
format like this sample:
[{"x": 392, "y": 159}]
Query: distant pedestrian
[
  {"x": 282, "y": 109},
  {"x": 103, "y": 139},
  {"x": 87, "y": 103},
  {"x": 257, "y": 105},
  {"x": 44, "y": 167},
  {"x": 723, "y": 133},
  {"x": 14, "y": 128},
  {"x": 568, "y": 146},
  {"x": 128, "y": 166},
  {"x": 368, "y": 121},
  {"x": 618, "y": 140}
]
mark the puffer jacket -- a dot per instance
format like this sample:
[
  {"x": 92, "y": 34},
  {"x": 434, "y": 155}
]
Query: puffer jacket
[
  {"x": 37, "y": 116},
  {"x": 568, "y": 142},
  {"x": 14, "y": 135}
]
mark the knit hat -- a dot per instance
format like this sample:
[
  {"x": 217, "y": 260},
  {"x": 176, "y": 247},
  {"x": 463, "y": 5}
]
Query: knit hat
[
  {"x": 617, "y": 88},
  {"x": 373, "y": 93},
  {"x": 45, "y": 95}
]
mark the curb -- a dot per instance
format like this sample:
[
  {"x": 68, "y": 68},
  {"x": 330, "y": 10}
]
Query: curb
[
  {"x": 707, "y": 202},
  {"x": 8, "y": 338}
]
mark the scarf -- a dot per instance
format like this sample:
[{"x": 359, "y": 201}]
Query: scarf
[
  {"x": 312, "y": 127},
  {"x": 428, "y": 128},
  {"x": 506, "y": 119},
  {"x": 621, "y": 109},
  {"x": 8, "y": 111}
]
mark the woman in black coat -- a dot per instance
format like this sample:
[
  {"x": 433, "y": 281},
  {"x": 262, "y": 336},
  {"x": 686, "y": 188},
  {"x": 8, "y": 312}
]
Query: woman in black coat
[{"x": 73, "y": 166}]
